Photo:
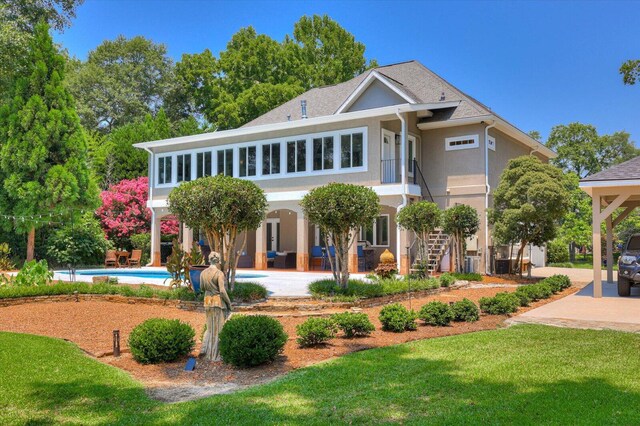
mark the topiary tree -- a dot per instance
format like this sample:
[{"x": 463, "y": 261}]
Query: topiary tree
[
  {"x": 422, "y": 218},
  {"x": 340, "y": 210},
  {"x": 43, "y": 152},
  {"x": 528, "y": 203},
  {"x": 222, "y": 207},
  {"x": 461, "y": 222}
]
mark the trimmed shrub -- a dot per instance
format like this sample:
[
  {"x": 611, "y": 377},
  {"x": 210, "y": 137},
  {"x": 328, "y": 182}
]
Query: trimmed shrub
[
  {"x": 436, "y": 313},
  {"x": 471, "y": 276},
  {"x": 397, "y": 318},
  {"x": 161, "y": 340},
  {"x": 386, "y": 270},
  {"x": 353, "y": 324},
  {"x": 557, "y": 282},
  {"x": 250, "y": 340},
  {"x": 316, "y": 331},
  {"x": 248, "y": 292},
  {"x": 465, "y": 310},
  {"x": 361, "y": 289},
  {"x": 501, "y": 304},
  {"x": 446, "y": 279},
  {"x": 523, "y": 295},
  {"x": 537, "y": 291}
]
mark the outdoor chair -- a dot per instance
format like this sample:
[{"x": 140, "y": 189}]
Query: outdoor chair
[
  {"x": 317, "y": 257},
  {"x": 271, "y": 257},
  {"x": 285, "y": 261},
  {"x": 361, "y": 260},
  {"x": 111, "y": 259},
  {"x": 134, "y": 260}
]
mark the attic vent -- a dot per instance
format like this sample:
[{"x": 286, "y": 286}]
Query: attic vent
[
  {"x": 303, "y": 105},
  {"x": 442, "y": 97}
]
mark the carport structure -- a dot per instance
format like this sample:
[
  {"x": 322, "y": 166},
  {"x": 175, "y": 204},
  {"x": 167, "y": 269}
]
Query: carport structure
[{"x": 615, "y": 188}]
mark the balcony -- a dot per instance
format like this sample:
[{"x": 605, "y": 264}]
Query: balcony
[{"x": 390, "y": 172}]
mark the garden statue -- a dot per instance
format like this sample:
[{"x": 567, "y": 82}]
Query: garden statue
[{"x": 217, "y": 306}]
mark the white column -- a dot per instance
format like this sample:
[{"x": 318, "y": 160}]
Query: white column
[
  {"x": 261, "y": 246},
  {"x": 609, "y": 249},
  {"x": 597, "y": 246},
  {"x": 302, "y": 243},
  {"x": 187, "y": 238},
  {"x": 155, "y": 239}
]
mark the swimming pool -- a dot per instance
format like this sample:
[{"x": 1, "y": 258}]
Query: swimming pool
[{"x": 142, "y": 273}]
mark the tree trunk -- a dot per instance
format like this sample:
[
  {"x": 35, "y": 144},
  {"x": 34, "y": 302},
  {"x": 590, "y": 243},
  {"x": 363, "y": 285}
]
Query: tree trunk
[{"x": 31, "y": 244}]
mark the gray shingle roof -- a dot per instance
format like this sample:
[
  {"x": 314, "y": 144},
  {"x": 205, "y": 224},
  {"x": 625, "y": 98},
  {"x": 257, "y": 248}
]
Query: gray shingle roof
[
  {"x": 629, "y": 170},
  {"x": 412, "y": 78}
]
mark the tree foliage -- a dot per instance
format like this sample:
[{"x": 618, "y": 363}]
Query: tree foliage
[
  {"x": 80, "y": 242},
  {"x": 43, "y": 161},
  {"x": 422, "y": 217},
  {"x": 528, "y": 203},
  {"x": 222, "y": 207},
  {"x": 630, "y": 71},
  {"x": 461, "y": 222},
  {"x": 340, "y": 210}
]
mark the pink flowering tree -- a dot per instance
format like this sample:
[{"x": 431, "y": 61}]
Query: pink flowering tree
[{"x": 124, "y": 212}]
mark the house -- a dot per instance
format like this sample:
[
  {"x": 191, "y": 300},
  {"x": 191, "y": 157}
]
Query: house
[{"x": 399, "y": 129}]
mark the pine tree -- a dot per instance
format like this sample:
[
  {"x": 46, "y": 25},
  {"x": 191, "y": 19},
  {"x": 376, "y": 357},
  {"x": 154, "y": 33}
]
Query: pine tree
[{"x": 43, "y": 152}]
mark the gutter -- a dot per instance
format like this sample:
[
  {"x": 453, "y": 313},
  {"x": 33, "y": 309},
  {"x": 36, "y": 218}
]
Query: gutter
[
  {"x": 486, "y": 197},
  {"x": 403, "y": 174}
]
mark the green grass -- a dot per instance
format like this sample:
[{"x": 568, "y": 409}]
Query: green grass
[{"x": 520, "y": 375}]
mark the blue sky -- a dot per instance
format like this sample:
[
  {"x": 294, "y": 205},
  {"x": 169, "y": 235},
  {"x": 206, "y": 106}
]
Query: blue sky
[{"x": 537, "y": 64}]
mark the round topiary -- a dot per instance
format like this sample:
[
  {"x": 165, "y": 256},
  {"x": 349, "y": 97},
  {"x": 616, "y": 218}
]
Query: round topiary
[
  {"x": 161, "y": 340},
  {"x": 465, "y": 310},
  {"x": 397, "y": 318},
  {"x": 353, "y": 324},
  {"x": 249, "y": 340},
  {"x": 248, "y": 292},
  {"x": 436, "y": 313},
  {"x": 316, "y": 331},
  {"x": 501, "y": 304}
]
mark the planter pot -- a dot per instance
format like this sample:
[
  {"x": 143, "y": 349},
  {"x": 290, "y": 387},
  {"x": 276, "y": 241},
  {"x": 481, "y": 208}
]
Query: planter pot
[{"x": 194, "y": 276}]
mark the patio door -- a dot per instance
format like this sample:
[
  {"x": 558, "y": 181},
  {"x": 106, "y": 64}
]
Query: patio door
[
  {"x": 388, "y": 166},
  {"x": 273, "y": 234}
]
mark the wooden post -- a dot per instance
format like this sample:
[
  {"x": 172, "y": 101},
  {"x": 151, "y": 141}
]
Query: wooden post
[
  {"x": 302, "y": 243},
  {"x": 261, "y": 246},
  {"x": 597, "y": 246},
  {"x": 609, "y": 225}
]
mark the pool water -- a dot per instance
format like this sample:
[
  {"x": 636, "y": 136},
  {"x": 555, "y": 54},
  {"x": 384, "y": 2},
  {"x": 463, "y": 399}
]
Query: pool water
[{"x": 160, "y": 275}]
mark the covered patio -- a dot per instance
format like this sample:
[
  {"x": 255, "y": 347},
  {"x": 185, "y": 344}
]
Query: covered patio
[{"x": 615, "y": 188}]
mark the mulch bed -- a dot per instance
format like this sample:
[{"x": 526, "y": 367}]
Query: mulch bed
[{"x": 90, "y": 324}]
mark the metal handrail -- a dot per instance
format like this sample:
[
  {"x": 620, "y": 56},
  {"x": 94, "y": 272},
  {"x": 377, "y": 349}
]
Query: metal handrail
[
  {"x": 421, "y": 181},
  {"x": 390, "y": 171}
]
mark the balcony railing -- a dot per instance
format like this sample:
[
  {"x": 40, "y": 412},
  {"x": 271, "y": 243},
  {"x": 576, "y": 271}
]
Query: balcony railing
[{"x": 390, "y": 171}]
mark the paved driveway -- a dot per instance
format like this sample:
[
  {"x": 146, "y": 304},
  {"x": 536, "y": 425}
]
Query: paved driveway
[
  {"x": 577, "y": 275},
  {"x": 581, "y": 310}
]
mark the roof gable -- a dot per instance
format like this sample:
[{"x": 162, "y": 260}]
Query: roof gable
[{"x": 373, "y": 92}]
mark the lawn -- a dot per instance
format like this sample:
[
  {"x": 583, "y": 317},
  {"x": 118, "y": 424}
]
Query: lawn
[{"x": 520, "y": 375}]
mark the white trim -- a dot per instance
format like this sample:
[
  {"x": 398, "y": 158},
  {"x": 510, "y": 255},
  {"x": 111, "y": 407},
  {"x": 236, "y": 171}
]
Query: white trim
[
  {"x": 608, "y": 183},
  {"x": 491, "y": 143},
  {"x": 171, "y": 181},
  {"x": 364, "y": 85},
  {"x": 475, "y": 138},
  {"x": 375, "y": 238}
]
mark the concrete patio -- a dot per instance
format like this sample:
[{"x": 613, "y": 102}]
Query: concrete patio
[{"x": 582, "y": 310}]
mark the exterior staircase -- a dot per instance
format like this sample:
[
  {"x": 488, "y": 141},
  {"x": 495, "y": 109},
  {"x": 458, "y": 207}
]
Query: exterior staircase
[{"x": 437, "y": 245}]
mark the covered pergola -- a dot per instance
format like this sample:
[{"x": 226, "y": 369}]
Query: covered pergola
[{"x": 615, "y": 188}]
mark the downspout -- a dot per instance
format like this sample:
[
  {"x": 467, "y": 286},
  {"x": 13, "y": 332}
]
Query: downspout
[
  {"x": 403, "y": 174},
  {"x": 150, "y": 201},
  {"x": 486, "y": 197}
]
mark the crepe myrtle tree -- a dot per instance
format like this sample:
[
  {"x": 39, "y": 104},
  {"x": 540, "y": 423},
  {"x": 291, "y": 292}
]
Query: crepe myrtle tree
[
  {"x": 422, "y": 218},
  {"x": 461, "y": 222},
  {"x": 529, "y": 201},
  {"x": 222, "y": 207},
  {"x": 340, "y": 210}
]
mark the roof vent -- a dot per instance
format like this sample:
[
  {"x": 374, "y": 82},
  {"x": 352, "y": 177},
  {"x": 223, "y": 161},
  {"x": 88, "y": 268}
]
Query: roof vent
[
  {"x": 442, "y": 97},
  {"x": 303, "y": 105},
  {"x": 288, "y": 117}
]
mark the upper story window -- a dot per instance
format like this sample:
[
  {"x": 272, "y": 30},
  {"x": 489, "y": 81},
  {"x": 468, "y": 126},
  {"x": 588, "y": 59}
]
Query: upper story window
[
  {"x": 203, "y": 164},
  {"x": 271, "y": 159},
  {"x": 323, "y": 153},
  {"x": 296, "y": 156},
  {"x": 225, "y": 162},
  {"x": 184, "y": 167},
  {"x": 378, "y": 232},
  {"x": 461, "y": 142},
  {"x": 491, "y": 143},
  {"x": 164, "y": 170},
  {"x": 351, "y": 150},
  {"x": 247, "y": 161}
]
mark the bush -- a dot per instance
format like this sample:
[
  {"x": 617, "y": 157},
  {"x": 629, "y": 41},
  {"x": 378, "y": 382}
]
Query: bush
[
  {"x": 250, "y": 340},
  {"x": 315, "y": 331},
  {"x": 465, "y": 310},
  {"x": 33, "y": 274},
  {"x": 558, "y": 282},
  {"x": 537, "y": 291},
  {"x": 142, "y": 242},
  {"x": 397, "y": 318},
  {"x": 353, "y": 324},
  {"x": 436, "y": 313},
  {"x": 248, "y": 292},
  {"x": 471, "y": 276},
  {"x": 386, "y": 270},
  {"x": 78, "y": 243},
  {"x": 361, "y": 289},
  {"x": 501, "y": 304},
  {"x": 446, "y": 279},
  {"x": 557, "y": 251},
  {"x": 6, "y": 264},
  {"x": 161, "y": 340},
  {"x": 523, "y": 294}
]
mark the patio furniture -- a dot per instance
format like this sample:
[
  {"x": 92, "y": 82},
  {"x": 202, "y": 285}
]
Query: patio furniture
[
  {"x": 111, "y": 259},
  {"x": 122, "y": 255},
  {"x": 285, "y": 261},
  {"x": 318, "y": 257},
  {"x": 245, "y": 261},
  {"x": 271, "y": 257},
  {"x": 332, "y": 253},
  {"x": 134, "y": 260}
]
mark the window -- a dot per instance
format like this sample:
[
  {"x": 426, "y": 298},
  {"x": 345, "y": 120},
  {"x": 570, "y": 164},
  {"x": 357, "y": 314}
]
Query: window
[
  {"x": 411, "y": 148},
  {"x": 351, "y": 150},
  {"x": 296, "y": 156},
  {"x": 247, "y": 161},
  {"x": 461, "y": 142},
  {"x": 164, "y": 170},
  {"x": 271, "y": 159},
  {"x": 491, "y": 142},
  {"x": 203, "y": 160},
  {"x": 184, "y": 167},
  {"x": 378, "y": 232},
  {"x": 225, "y": 162},
  {"x": 323, "y": 153}
]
